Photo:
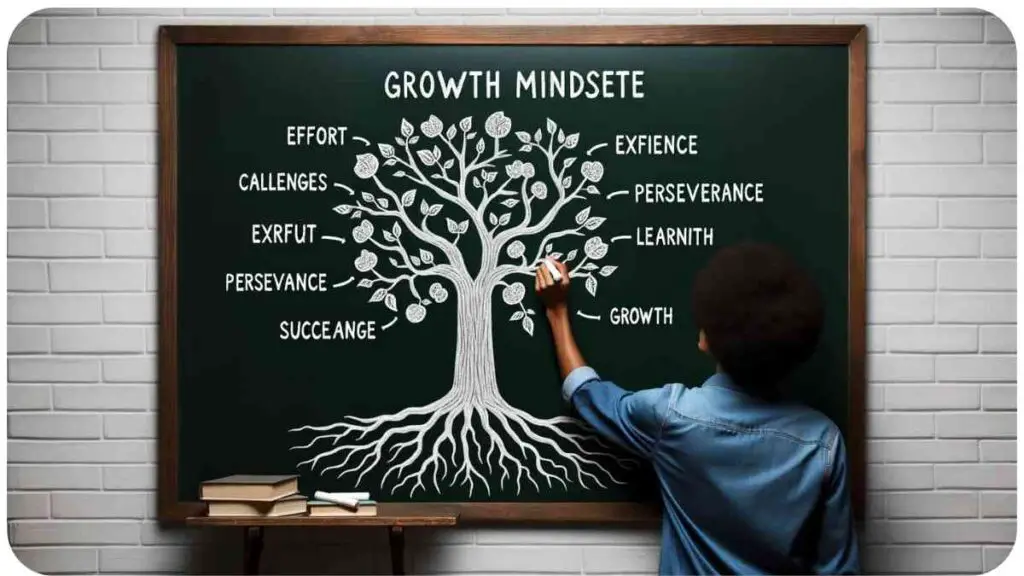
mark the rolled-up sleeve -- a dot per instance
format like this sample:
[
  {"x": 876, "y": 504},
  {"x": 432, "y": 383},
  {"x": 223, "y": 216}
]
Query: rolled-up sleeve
[
  {"x": 632, "y": 420},
  {"x": 575, "y": 379}
]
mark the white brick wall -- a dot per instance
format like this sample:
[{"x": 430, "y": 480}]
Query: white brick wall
[{"x": 82, "y": 308}]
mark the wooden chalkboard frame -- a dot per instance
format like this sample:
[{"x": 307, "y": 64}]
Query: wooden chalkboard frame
[{"x": 854, "y": 37}]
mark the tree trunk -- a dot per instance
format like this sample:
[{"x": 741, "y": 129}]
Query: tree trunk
[{"x": 475, "y": 381}]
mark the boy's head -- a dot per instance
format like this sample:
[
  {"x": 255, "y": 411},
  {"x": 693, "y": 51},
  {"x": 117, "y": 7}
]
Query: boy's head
[{"x": 759, "y": 313}]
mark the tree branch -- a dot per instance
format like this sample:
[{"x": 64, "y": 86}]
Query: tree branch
[
  {"x": 444, "y": 176},
  {"x": 506, "y": 270},
  {"x": 553, "y": 235},
  {"x": 398, "y": 248},
  {"x": 446, "y": 247},
  {"x": 420, "y": 178},
  {"x": 501, "y": 191},
  {"x": 518, "y": 231},
  {"x": 380, "y": 278},
  {"x": 459, "y": 200},
  {"x": 460, "y": 157},
  {"x": 413, "y": 290},
  {"x": 527, "y": 268},
  {"x": 488, "y": 163},
  {"x": 393, "y": 282},
  {"x": 527, "y": 208},
  {"x": 445, "y": 271},
  {"x": 524, "y": 228},
  {"x": 572, "y": 273}
]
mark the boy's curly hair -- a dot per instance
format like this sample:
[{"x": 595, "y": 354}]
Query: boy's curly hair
[{"x": 760, "y": 312}]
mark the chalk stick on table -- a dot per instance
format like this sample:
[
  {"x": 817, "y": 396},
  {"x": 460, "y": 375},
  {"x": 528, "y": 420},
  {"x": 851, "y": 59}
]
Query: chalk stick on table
[
  {"x": 345, "y": 501},
  {"x": 357, "y": 495}
]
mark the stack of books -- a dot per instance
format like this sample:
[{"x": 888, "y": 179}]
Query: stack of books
[
  {"x": 251, "y": 495},
  {"x": 342, "y": 504}
]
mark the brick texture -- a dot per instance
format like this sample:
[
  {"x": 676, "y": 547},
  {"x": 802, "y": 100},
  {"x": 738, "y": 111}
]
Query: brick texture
[{"x": 82, "y": 316}]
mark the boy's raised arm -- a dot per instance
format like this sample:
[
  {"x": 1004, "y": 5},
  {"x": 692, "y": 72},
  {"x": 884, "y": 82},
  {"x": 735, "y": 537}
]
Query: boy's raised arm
[
  {"x": 632, "y": 420},
  {"x": 555, "y": 297}
]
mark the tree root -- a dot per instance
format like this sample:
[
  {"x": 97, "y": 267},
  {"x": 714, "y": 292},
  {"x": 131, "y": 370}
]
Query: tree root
[{"x": 419, "y": 448}]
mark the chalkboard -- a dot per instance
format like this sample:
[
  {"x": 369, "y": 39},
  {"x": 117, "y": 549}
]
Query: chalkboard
[{"x": 349, "y": 219}]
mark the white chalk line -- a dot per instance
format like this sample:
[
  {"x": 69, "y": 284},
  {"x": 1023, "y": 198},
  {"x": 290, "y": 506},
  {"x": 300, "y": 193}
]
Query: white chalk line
[
  {"x": 595, "y": 147},
  {"x": 343, "y": 187},
  {"x": 361, "y": 139},
  {"x": 345, "y": 283},
  {"x": 617, "y": 193},
  {"x": 333, "y": 239},
  {"x": 390, "y": 324},
  {"x": 587, "y": 316},
  {"x": 617, "y": 238}
]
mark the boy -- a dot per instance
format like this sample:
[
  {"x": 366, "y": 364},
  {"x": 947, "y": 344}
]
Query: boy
[{"x": 749, "y": 483}]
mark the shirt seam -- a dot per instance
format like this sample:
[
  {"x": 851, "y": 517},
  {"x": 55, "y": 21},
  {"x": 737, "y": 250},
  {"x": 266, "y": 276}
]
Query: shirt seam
[
  {"x": 747, "y": 430},
  {"x": 830, "y": 452},
  {"x": 664, "y": 418}
]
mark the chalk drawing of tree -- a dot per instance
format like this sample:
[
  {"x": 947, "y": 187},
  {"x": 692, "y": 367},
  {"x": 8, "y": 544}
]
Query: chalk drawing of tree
[{"x": 467, "y": 187}]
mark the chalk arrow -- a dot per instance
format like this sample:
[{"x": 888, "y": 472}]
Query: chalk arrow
[{"x": 343, "y": 187}]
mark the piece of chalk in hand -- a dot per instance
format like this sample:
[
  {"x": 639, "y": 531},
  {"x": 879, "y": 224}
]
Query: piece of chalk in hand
[{"x": 555, "y": 274}]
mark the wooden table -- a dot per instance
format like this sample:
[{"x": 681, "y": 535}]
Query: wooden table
[{"x": 394, "y": 517}]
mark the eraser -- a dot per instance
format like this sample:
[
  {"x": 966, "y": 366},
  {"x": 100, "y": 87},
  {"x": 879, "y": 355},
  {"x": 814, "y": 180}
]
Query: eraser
[{"x": 555, "y": 274}]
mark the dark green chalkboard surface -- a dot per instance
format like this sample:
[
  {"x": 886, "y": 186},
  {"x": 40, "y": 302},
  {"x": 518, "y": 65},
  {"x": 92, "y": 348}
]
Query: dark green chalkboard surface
[{"x": 347, "y": 246}]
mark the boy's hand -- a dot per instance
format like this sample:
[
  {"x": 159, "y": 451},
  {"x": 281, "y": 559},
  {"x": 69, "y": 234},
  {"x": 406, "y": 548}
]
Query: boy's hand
[{"x": 555, "y": 295}]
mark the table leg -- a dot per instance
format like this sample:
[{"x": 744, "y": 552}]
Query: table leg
[
  {"x": 252, "y": 548},
  {"x": 396, "y": 539}
]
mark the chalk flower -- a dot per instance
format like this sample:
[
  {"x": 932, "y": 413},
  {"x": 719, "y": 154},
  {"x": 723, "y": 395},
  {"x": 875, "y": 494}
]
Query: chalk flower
[
  {"x": 438, "y": 293},
  {"x": 366, "y": 165},
  {"x": 498, "y": 125},
  {"x": 432, "y": 127},
  {"x": 366, "y": 261},
  {"x": 592, "y": 171},
  {"x": 539, "y": 190},
  {"x": 415, "y": 313},
  {"x": 362, "y": 232},
  {"x": 595, "y": 248},
  {"x": 513, "y": 293},
  {"x": 516, "y": 249},
  {"x": 515, "y": 169}
]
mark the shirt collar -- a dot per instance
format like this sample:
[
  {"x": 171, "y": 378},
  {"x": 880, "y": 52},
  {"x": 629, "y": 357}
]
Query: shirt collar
[{"x": 722, "y": 380}]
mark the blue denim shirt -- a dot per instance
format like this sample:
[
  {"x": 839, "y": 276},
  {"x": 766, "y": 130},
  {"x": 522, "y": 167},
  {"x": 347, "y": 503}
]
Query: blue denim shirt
[{"x": 748, "y": 486}]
